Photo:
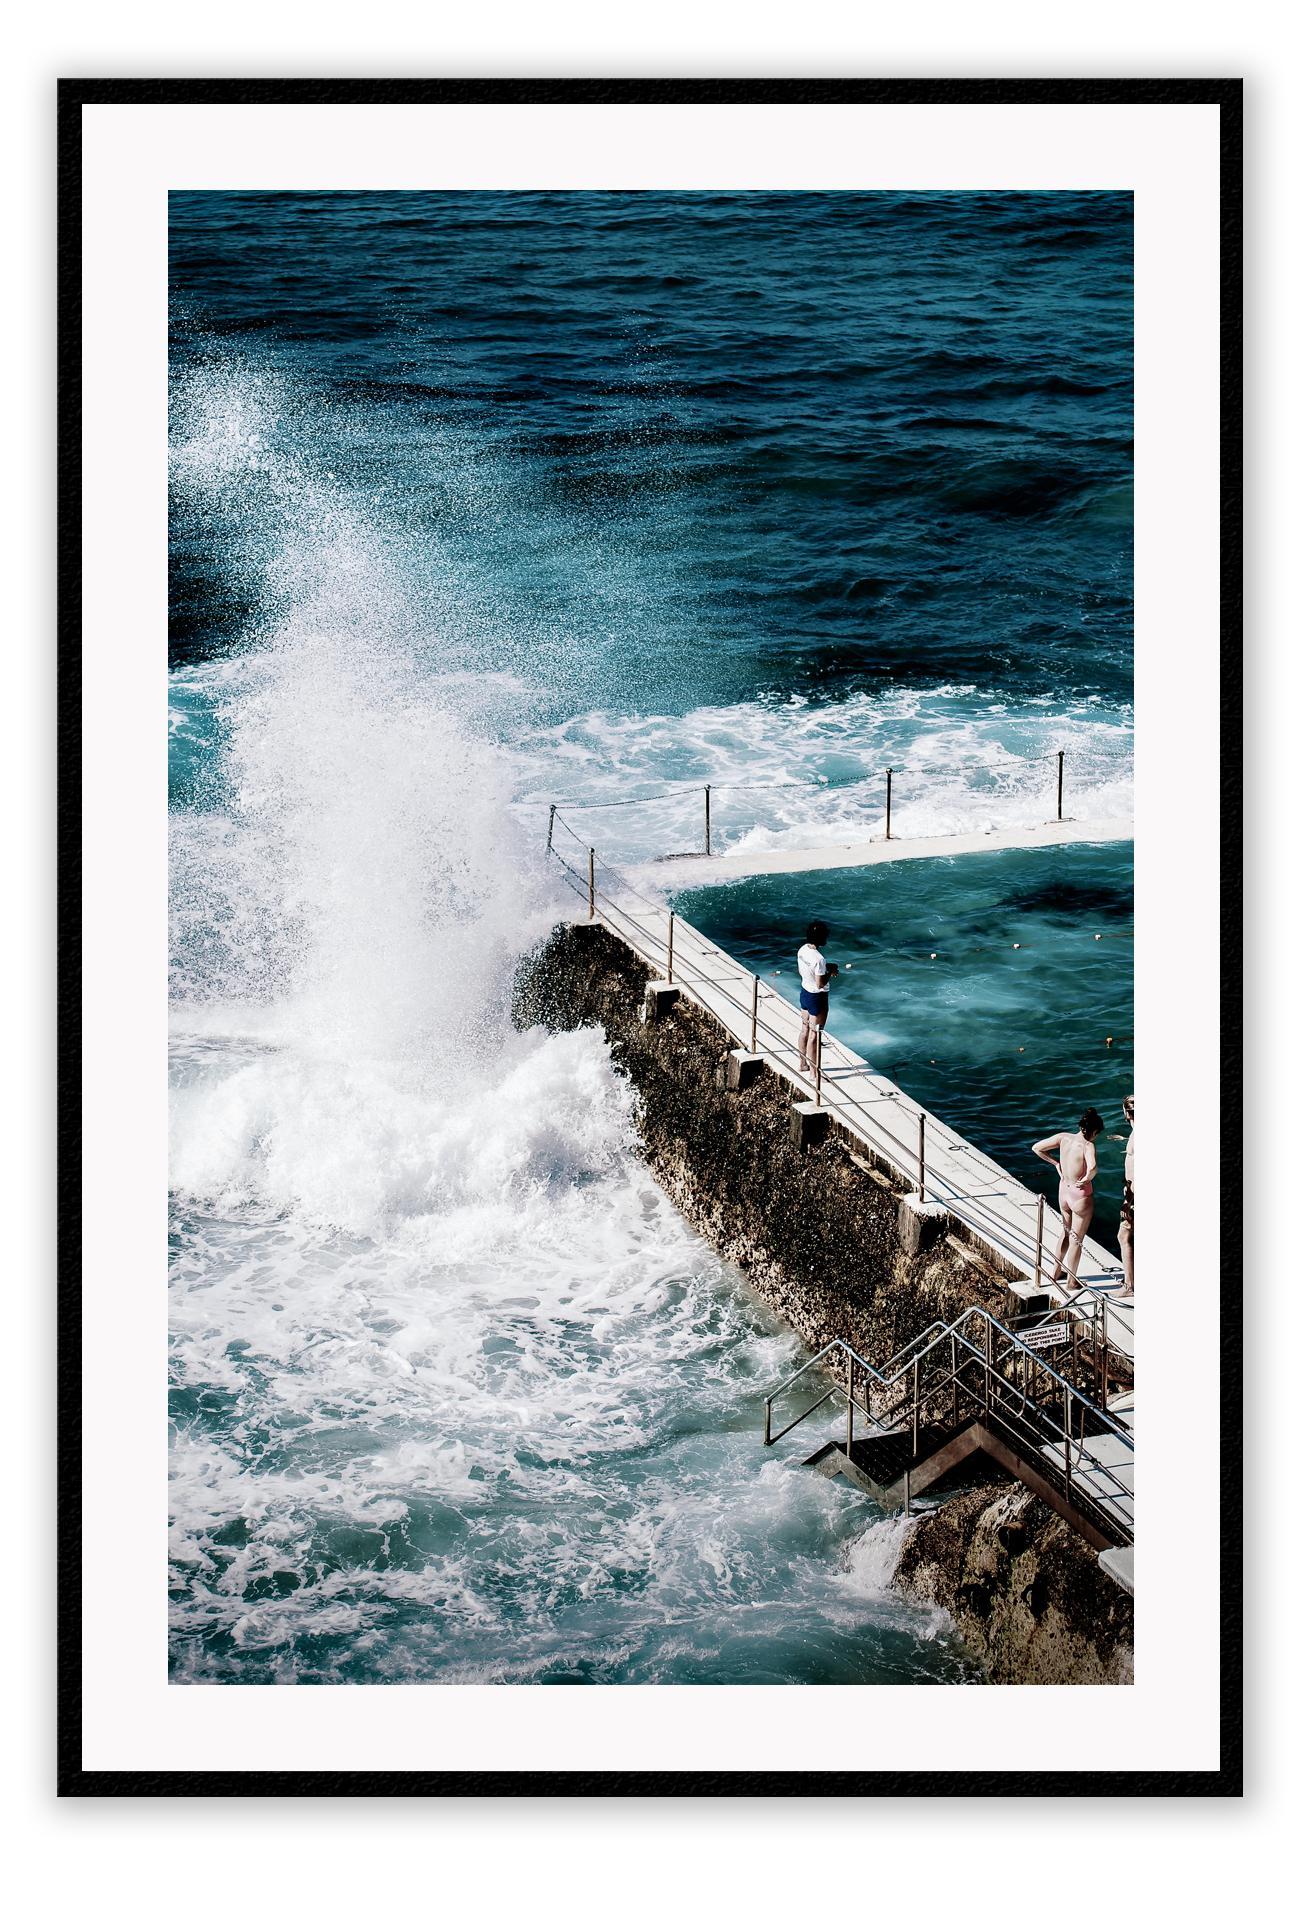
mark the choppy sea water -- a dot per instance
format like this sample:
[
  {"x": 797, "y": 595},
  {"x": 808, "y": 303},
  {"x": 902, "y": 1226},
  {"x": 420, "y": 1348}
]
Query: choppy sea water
[{"x": 477, "y": 501}]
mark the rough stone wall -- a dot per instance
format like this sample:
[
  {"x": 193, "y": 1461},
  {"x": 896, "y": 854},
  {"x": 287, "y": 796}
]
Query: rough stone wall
[{"x": 816, "y": 1236}]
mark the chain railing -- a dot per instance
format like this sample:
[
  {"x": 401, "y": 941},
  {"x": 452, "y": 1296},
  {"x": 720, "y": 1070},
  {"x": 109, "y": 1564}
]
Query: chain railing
[{"x": 607, "y": 894}]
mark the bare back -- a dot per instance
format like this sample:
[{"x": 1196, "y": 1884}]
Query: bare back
[{"x": 1078, "y": 1157}]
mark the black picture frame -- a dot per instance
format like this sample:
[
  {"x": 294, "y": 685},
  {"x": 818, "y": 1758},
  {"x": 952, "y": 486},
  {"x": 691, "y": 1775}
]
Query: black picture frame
[{"x": 74, "y": 95}]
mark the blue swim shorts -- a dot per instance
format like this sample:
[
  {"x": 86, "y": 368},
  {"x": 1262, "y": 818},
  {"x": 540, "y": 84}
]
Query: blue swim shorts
[{"x": 815, "y": 1003}]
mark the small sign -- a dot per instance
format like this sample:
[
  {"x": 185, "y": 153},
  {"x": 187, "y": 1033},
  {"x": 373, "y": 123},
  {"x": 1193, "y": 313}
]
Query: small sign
[{"x": 1045, "y": 1334}]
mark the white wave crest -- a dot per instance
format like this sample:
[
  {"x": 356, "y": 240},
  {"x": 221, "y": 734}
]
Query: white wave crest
[{"x": 799, "y": 774}]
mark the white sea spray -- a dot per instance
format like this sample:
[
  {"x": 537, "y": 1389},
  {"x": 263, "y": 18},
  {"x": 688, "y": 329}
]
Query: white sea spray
[{"x": 456, "y": 1393}]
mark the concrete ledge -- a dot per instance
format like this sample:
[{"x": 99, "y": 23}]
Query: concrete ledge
[
  {"x": 660, "y": 998},
  {"x": 743, "y": 1068},
  {"x": 809, "y": 1124},
  {"x": 865, "y": 1165},
  {"x": 700, "y": 870},
  {"x": 1032, "y": 1296},
  {"x": 920, "y": 1226},
  {"x": 1118, "y": 1564}
]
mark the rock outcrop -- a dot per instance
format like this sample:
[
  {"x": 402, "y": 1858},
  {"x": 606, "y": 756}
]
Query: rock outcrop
[{"x": 1027, "y": 1595}]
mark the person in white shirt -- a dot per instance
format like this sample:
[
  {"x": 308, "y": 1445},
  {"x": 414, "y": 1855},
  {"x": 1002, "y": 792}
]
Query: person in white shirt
[{"x": 815, "y": 976}]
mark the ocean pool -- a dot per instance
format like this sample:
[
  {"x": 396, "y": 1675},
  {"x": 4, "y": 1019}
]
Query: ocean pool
[{"x": 996, "y": 988}]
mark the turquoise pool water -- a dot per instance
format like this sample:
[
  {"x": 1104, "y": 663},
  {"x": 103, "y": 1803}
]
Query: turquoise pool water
[{"x": 987, "y": 985}]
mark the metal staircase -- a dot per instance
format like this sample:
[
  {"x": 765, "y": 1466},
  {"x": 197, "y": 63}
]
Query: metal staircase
[{"x": 1032, "y": 1395}]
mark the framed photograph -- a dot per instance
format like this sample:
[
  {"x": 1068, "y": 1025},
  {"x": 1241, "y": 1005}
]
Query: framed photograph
[{"x": 636, "y": 659}]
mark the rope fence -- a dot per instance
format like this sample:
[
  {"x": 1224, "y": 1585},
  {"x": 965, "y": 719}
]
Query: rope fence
[{"x": 936, "y": 774}]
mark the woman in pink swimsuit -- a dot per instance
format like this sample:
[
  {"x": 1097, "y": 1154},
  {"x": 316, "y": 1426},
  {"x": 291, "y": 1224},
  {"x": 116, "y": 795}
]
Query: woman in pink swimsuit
[{"x": 1076, "y": 1161}]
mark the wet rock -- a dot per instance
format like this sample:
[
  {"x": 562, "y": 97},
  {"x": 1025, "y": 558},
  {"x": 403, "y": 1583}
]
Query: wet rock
[{"x": 1027, "y": 1595}]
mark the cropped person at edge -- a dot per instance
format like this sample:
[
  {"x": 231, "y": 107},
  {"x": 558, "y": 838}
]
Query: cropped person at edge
[{"x": 1126, "y": 1204}]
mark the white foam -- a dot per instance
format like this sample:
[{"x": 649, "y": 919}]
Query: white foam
[
  {"x": 964, "y": 759},
  {"x": 871, "y": 1564},
  {"x": 873, "y": 1557}
]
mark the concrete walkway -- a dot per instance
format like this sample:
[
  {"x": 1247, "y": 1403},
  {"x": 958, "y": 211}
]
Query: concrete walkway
[
  {"x": 996, "y": 1207},
  {"x": 677, "y": 872},
  {"x": 1106, "y": 1472}
]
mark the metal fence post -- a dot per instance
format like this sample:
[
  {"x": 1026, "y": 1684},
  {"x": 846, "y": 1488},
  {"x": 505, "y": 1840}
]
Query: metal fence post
[
  {"x": 848, "y": 1444},
  {"x": 767, "y": 1421},
  {"x": 1060, "y": 779},
  {"x": 550, "y": 828},
  {"x": 753, "y": 1018},
  {"x": 671, "y": 917},
  {"x": 889, "y": 801},
  {"x": 1038, "y": 1242},
  {"x": 591, "y": 883},
  {"x": 818, "y": 1072},
  {"x": 920, "y": 1156},
  {"x": 708, "y": 828}
]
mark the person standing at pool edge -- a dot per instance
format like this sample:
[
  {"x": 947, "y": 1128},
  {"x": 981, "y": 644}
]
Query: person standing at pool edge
[
  {"x": 815, "y": 976},
  {"x": 1077, "y": 1165}
]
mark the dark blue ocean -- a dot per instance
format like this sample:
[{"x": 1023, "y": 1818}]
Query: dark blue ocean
[{"x": 481, "y": 501}]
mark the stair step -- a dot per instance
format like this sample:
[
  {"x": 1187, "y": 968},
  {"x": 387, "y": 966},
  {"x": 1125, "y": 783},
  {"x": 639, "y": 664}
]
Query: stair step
[{"x": 884, "y": 1458}]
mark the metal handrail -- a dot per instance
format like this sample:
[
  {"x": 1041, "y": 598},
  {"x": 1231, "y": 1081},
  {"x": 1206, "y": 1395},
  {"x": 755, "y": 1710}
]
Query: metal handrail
[
  {"x": 1083, "y": 1463},
  {"x": 995, "y": 1395},
  {"x": 849, "y": 1111},
  {"x": 951, "y": 1379},
  {"x": 895, "y": 1368},
  {"x": 885, "y": 1143},
  {"x": 1020, "y": 1348},
  {"x": 897, "y": 1152}
]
